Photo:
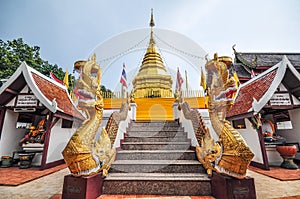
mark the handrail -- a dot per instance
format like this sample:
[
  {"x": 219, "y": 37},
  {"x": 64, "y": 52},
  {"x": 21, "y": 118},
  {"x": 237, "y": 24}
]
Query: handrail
[
  {"x": 199, "y": 128},
  {"x": 114, "y": 120}
]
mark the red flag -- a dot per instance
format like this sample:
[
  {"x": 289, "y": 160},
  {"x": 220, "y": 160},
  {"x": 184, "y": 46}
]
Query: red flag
[
  {"x": 252, "y": 73},
  {"x": 179, "y": 80},
  {"x": 123, "y": 79},
  {"x": 52, "y": 76}
]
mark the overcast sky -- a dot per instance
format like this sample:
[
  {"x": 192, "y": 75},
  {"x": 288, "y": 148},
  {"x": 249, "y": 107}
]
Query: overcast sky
[{"x": 68, "y": 30}]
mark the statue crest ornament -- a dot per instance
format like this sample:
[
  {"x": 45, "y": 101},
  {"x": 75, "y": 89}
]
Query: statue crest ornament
[
  {"x": 82, "y": 154},
  {"x": 230, "y": 155}
]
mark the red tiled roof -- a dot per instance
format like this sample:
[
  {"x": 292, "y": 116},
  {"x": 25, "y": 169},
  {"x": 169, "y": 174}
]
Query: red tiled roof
[
  {"x": 255, "y": 89},
  {"x": 51, "y": 91}
]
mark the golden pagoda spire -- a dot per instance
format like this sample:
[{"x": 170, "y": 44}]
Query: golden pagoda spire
[
  {"x": 152, "y": 24},
  {"x": 152, "y": 46},
  {"x": 153, "y": 78}
]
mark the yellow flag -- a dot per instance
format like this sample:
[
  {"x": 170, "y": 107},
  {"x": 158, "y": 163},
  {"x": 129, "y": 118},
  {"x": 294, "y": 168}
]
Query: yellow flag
[
  {"x": 203, "y": 80},
  {"x": 66, "y": 79},
  {"x": 237, "y": 81}
]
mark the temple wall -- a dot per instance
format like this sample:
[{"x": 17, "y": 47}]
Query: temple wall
[
  {"x": 58, "y": 140},
  {"x": 251, "y": 137},
  {"x": 10, "y": 136},
  {"x": 292, "y": 135}
]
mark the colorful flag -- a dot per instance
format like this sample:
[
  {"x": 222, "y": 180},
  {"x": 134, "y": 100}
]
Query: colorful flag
[
  {"x": 52, "y": 76},
  {"x": 236, "y": 79},
  {"x": 123, "y": 79},
  {"x": 203, "y": 80},
  {"x": 252, "y": 73},
  {"x": 66, "y": 79},
  {"x": 179, "y": 81}
]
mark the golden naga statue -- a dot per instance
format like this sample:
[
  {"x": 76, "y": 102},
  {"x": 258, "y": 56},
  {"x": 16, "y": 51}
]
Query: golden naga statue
[
  {"x": 230, "y": 155},
  {"x": 82, "y": 154}
]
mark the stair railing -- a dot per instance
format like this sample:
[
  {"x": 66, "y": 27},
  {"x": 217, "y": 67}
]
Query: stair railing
[
  {"x": 192, "y": 122},
  {"x": 117, "y": 124}
]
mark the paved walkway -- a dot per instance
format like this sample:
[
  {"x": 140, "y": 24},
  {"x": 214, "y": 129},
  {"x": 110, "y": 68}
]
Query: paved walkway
[{"x": 48, "y": 186}]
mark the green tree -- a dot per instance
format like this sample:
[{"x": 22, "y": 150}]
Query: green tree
[
  {"x": 106, "y": 92},
  {"x": 13, "y": 53}
]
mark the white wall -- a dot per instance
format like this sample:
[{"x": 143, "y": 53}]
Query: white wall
[
  {"x": 251, "y": 138},
  {"x": 292, "y": 135},
  {"x": 59, "y": 138},
  {"x": 11, "y": 136},
  {"x": 121, "y": 130},
  {"x": 188, "y": 127}
]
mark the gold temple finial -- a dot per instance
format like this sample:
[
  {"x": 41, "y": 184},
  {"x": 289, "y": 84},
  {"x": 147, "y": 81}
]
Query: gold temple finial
[
  {"x": 216, "y": 57},
  {"x": 94, "y": 57},
  {"x": 152, "y": 24}
]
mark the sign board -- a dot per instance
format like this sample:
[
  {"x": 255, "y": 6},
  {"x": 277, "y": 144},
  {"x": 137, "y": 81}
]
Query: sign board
[
  {"x": 280, "y": 99},
  {"x": 284, "y": 125},
  {"x": 26, "y": 100}
]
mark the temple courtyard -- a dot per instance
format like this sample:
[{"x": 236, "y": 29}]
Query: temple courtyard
[{"x": 50, "y": 186}]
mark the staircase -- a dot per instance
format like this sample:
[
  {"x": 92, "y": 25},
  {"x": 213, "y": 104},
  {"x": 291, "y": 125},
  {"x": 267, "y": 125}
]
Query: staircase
[{"x": 156, "y": 159}]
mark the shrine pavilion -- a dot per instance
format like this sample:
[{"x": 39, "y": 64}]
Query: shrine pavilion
[
  {"x": 37, "y": 117},
  {"x": 266, "y": 112}
]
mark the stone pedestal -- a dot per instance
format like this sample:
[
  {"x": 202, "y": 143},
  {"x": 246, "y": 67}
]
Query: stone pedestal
[
  {"x": 288, "y": 154},
  {"x": 89, "y": 187},
  {"x": 224, "y": 187}
]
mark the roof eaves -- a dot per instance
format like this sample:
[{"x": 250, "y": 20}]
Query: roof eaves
[
  {"x": 292, "y": 68},
  {"x": 281, "y": 69},
  {"x": 241, "y": 116},
  {"x": 16, "y": 74},
  {"x": 244, "y": 61},
  {"x": 35, "y": 89}
]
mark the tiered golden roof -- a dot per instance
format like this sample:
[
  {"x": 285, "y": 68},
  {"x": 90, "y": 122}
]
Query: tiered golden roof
[{"x": 153, "y": 80}]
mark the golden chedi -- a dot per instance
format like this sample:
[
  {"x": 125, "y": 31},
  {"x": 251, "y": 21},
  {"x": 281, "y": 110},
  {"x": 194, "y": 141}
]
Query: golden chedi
[{"x": 153, "y": 80}]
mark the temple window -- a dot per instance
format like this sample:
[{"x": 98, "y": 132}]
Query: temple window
[
  {"x": 66, "y": 124},
  {"x": 239, "y": 124},
  {"x": 24, "y": 120}
]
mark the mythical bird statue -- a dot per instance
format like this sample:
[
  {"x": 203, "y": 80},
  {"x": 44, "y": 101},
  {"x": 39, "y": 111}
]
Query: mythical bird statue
[
  {"x": 229, "y": 155},
  {"x": 82, "y": 154}
]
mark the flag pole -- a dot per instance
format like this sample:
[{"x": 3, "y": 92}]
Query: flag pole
[
  {"x": 122, "y": 93},
  {"x": 186, "y": 81}
]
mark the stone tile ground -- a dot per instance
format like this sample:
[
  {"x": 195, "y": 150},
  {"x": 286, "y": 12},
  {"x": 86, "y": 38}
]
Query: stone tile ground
[{"x": 51, "y": 185}]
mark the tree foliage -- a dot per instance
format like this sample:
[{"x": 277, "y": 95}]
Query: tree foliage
[
  {"x": 107, "y": 93},
  {"x": 13, "y": 53}
]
